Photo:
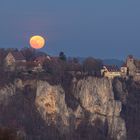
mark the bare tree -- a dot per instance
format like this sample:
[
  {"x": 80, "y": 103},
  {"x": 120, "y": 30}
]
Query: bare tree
[
  {"x": 92, "y": 66},
  {"x": 2, "y": 56},
  {"x": 55, "y": 67},
  {"x": 28, "y": 53}
]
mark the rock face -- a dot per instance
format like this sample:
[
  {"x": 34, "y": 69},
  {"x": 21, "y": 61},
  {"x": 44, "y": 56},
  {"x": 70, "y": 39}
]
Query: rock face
[
  {"x": 97, "y": 97},
  {"x": 120, "y": 90},
  {"x": 97, "y": 106},
  {"x": 6, "y": 93},
  {"x": 95, "y": 102},
  {"x": 50, "y": 101}
]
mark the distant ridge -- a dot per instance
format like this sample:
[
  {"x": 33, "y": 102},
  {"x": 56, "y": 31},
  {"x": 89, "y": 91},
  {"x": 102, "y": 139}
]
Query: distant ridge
[
  {"x": 106, "y": 61},
  {"x": 113, "y": 62}
]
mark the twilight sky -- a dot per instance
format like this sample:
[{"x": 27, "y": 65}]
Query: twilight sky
[{"x": 98, "y": 28}]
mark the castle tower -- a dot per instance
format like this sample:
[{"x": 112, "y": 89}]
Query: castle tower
[{"x": 131, "y": 65}]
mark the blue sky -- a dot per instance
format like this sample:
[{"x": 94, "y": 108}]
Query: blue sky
[{"x": 98, "y": 28}]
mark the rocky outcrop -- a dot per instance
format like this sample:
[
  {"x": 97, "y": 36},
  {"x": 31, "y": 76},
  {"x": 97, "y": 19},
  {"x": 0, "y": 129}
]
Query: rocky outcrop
[
  {"x": 96, "y": 102},
  {"x": 97, "y": 97}
]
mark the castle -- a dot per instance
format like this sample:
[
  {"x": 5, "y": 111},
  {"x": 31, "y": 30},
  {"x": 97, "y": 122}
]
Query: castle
[{"x": 130, "y": 68}]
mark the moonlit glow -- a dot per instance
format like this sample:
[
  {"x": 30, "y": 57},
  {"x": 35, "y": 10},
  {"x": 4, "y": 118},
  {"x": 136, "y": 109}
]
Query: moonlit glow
[{"x": 37, "y": 42}]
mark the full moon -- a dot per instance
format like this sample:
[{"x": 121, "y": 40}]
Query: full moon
[{"x": 37, "y": 42}]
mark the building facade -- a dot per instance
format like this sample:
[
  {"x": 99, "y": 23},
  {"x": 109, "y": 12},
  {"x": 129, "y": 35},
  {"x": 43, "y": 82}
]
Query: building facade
[
  {"x": 110, "y": 71},
  {"x": 13, "y": 59}
]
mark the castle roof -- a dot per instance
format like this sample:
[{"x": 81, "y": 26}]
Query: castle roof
[
  {"x": 18, "y": 55},
  {"x": 112, "y": 68}
]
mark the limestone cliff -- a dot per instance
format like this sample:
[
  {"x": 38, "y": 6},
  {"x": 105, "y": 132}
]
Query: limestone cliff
[
  {"x": 95, "y": 99},
  {"x": 77, "y": 109},
  {"x": 83, "y": 109},
  {"x": 50, "y": 101}
]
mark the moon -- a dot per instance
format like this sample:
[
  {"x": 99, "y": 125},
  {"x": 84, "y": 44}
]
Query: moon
[{"x": 37, "y": 42}]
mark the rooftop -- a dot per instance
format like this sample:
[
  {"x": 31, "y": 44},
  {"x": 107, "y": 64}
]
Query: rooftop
[
  {"x": 18, "y": 55},
  {"x": 112, "y": 68}
]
